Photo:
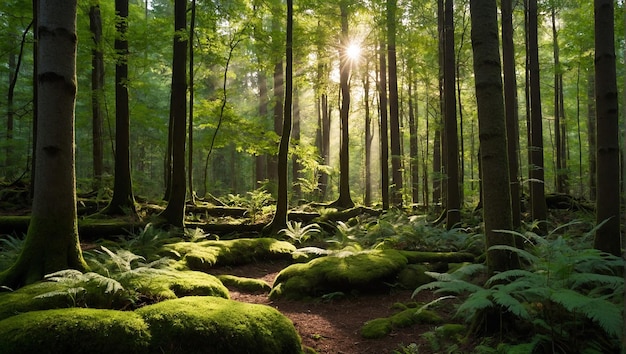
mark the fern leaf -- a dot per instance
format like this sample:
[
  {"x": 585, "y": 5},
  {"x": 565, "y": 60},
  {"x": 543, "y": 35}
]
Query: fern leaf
[
  {"x": 502, "y": 298},
  {"x": 66, "y": 276},
  {"x": 604, "y": 313},
  {"x": 532, "y": 259},
  {"x": 508, "y": 275},
  {"x": 475, "y": 302},
  {"x": 579, "y": 279}
]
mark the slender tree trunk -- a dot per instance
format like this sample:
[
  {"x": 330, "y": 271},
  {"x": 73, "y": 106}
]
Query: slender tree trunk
[
  {"x": 537, "y": 185},
  {"x": 394, "y": 107},
  {"x": 559, "y": 113},
  {"x": 261, "y": 159},
  {"x": 492, "y": 134},
  {"x": 97, "y": 93},
  {"x": 511, "y": 108},
  {"x": 279, "y": 96},
  {"x": 295, "y": 164},
  {"x": 591, "y": 134},
  {"x": 52, "y": 239},
  {"x": 10, "y": 116},
  {"x": 192, "y": 26},
  {"x": 345, "y": 199},
  {"x": 453, "y": 201},
  {"x": 607, "y": 238},
  {"x": 33, "y": 166},
  {"x": 326, "y": 118},
  {"x": 368, "y": 136},
  {"x": 174, "y": 213},
  {"x": 413, "y": 146},
  {"x": 384, "y": 137},
  {"x": 123, "y": 201},
  {"x": 279, "y": 221}
]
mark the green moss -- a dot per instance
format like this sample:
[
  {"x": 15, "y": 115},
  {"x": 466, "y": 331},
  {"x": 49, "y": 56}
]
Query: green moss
[
  {"x": 413, "y": 276},
  {"x": 25, "y": 299},
  {"x": 205, "y": 254},
  {"x": 451, "y": 330},
  {"x": 346, "y": 271},
  {"x": 174, "y": 284},
  {"x": 216, "y": 325},
  {"x": 376, "y": 328},
  {"x": 75, "y": 330},
  {"x": 433, "y": 257},
  {"x": 380, "y": 327},
  {"x": 245, "y": 284}
]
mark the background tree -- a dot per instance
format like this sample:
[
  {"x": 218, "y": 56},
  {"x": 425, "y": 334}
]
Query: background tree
[
  {"x": 394, "y": 106},
  {"x": 174, "y": 213},
  {"x": 52, "y": 239},
  {"x": 97, "y": 92},
  {"x": 492, "y": 134},
  {"x": 123, "y": 200},
  {"x": 384, "y": 127},
  {"x": 608, "y": 237}
]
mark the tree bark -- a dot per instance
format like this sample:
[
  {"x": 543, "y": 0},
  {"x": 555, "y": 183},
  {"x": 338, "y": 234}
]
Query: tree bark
[
  {"x": 394, "y": 107},
  {"x": 174, "y": 213},
  {"x": 537, "y": 185},
  {"x": 97, "y": 93},
  {"x": 607, "y": 238},
  {"x": 368, "y": 136},
  {"x": 492, "y": 134},
  {"x": 384, "y": 129},
  {"x": 123, "y": 201},
  {"x": 52, "y": 239}
]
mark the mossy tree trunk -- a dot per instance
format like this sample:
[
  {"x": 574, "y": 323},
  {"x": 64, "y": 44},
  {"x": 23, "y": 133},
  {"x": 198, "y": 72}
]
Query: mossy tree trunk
[
  {"x": 492, "y": 134},
  {"x": 52, "y": 239}
]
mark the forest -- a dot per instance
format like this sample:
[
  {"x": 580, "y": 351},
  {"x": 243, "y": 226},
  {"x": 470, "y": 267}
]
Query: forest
[{"x": 245, "y": 176}]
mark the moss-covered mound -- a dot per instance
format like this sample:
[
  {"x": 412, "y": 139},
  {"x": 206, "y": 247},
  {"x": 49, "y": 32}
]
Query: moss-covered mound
[
  {"x": 27, "y": 299},
  {"x": 380, "y": 327},
  {"x": 205, "y": 254},
  {"x": 216, "y": 325},
  {"x": 175, "y": 284},
  {"x": 75, "y": 330},
  {"x": 249, "y": 285},
  {"x": 365, "y": 270}
]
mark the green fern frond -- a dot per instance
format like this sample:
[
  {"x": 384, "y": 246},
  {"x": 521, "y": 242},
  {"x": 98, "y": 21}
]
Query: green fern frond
[
  {"x": 530, "y": 258},
  {"x": 469, "y": 270},
  {"x": 609, "y": 281},
  {"x": 66, "y": 276},
  {"x": 508, "y": 276},
  {"x": 453, "y": 286},
  {"x": 502, "y": 298},
  {"x": 475, "y": 302},
  {"x": 604, "y": 313}
]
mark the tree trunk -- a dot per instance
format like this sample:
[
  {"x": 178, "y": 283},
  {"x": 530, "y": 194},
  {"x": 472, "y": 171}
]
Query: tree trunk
[
  {"x": 453, "y": 200},
  {"x": 97, "y": 93},
  {"x": 261, "y": 159},
  {"x": 413, "y": 144},
  {"x": 52, "y": 238},
  {"x": 607, "y": 236},
  {"x": 174, "y": 213},
  {"x": 35, "y": 81},
  {"x": 559, "y": 113},
  {"x": 344, "y": 200},
  {"x": 192, "y": 194},
  {"x": 279, "y": 95},
  {"x": 510, "y": 105},
  {"x": 295, "y": 164},
  {"x": 279, "y": 221},
  {"x": 591, "y": 134},
  {"x": 394, "y": 105},
  {"x": 123, "y": 201},
  {"x": 368, "y": 136},
  {"x": 492, "y": 134},
  {"x": 537, "y": 185},
  {"x": 384, "y": 129}
]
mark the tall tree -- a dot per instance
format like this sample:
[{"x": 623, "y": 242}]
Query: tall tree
[
  {"x": 394, "y": 106},
  {"x": 384, "y": 128},
  {"x": 97, "y": 87},
  {"x": 607, "y": 238},
  {"x": 591, "y": 134},
  {"x": 192, "y": 27},
  {"x": 492, "y": 135},
  {"x": 537, "y": 185},
  {"x": 52, "y": 238},
  {"x": 344, "y": 200},
  {"x": 511, "y": 109},
  {"x": 368, "y": 134},
  {"x": 279, "y": 96},
  {"x": 279, "y": 221},
  {"x": 123, "y": 201},
  {"x": 559, "y": 111},
  {"x": 174, "y": 213},
  {"x": 453, "y": 199},
  {"x": 413, "y": 143}
]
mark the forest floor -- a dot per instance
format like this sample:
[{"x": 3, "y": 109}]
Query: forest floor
[{"x": 333, "y": 325}]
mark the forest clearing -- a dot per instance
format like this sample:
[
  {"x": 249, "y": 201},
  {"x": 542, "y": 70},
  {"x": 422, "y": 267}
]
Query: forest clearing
[{"x": 387, "y": 176}]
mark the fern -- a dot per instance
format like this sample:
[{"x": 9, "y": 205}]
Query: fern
[{"x": 298, "y": 233}]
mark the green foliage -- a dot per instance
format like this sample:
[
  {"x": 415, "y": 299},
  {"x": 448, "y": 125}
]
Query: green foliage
[
  {"x": 10, "y": 248},
  {"x": 298, "y": 233},
  {"x": 565, "y": 297}
]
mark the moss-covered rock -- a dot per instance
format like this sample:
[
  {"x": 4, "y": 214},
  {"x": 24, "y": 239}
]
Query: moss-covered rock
[
  {"x": 175, "y": 284},
  {"x": 250, "y": 285},
  {"x": 365, "y": 270},
  {"x": 205, "y": 254},
  {"x": 27, "y": 299},
  {"x": 380, "y": 327},
  {"x": 75, "y": 330},
  {"x": 216, "y": 325},
  {"x": 413, "y": 276}
]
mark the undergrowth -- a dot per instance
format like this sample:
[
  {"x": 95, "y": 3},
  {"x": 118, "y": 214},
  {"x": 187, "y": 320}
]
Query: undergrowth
[{"x": 566, "y": 299}]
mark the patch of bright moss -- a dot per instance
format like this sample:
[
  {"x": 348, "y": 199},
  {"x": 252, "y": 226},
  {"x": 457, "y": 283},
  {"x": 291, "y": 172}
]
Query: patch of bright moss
[
  {"x": 380, "y": 327},
  {"x": 75, "y": 330},
  {"x": 216, "y": 325},
  {"x": 346, "y": 271},
  {"x": 25, "y": 299},
  {"x": 451, "y": 330},
  {"x": 413, "y": 276},
  {"x": 205, "y": 254},
  {"x": 250, "y": 285},
  {"x": 175, "y": 284}
]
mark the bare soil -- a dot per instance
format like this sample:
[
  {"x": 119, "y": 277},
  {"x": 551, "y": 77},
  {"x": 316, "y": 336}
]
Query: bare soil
[{"x": 332, "y": 326}]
